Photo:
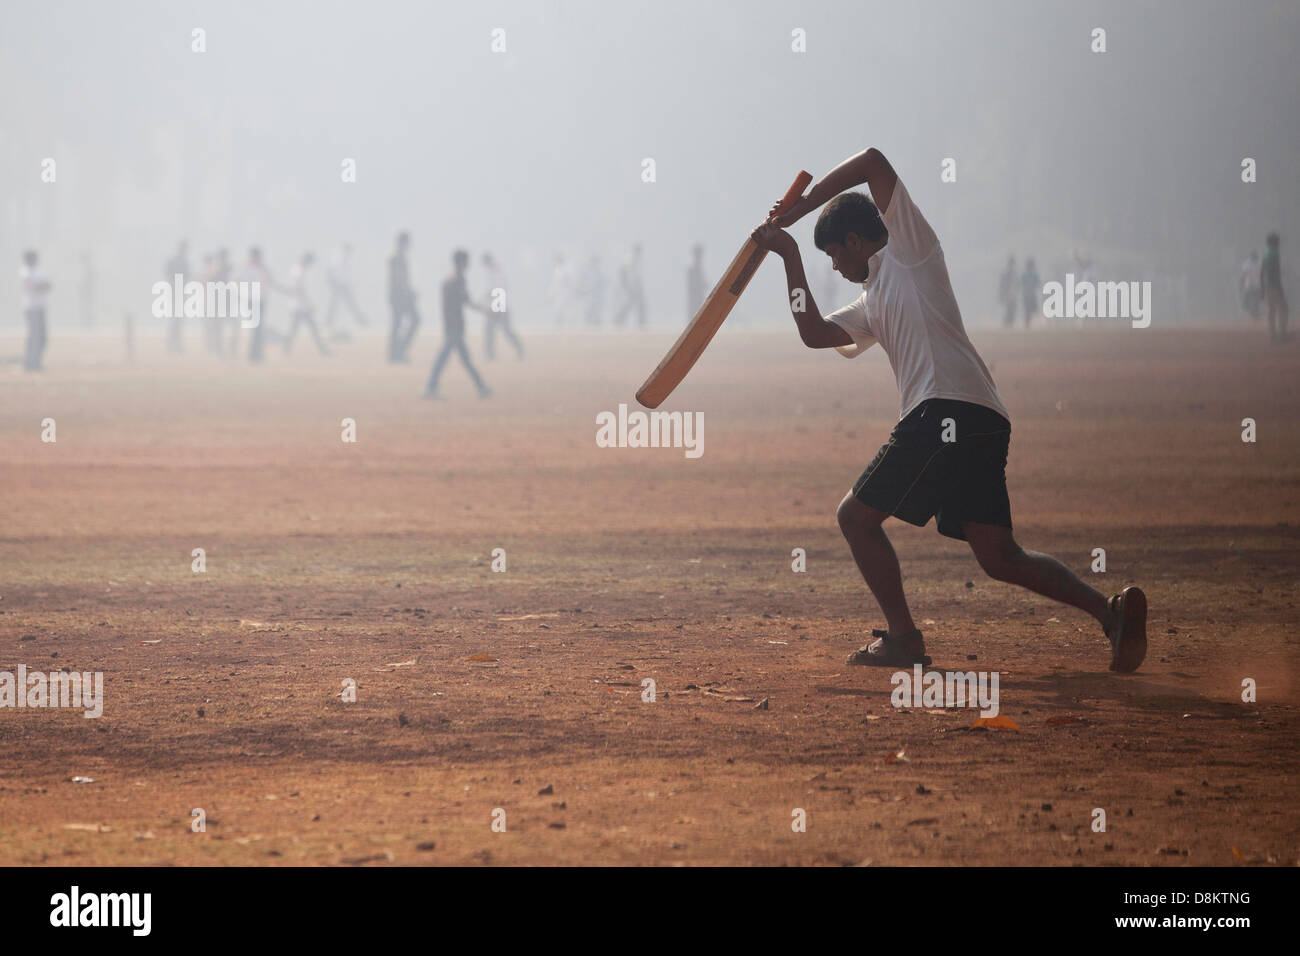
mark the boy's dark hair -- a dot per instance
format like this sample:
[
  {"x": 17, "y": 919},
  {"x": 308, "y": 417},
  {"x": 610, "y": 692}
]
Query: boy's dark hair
[
  {"x": 1273, "y": 239},
  {"x": 460, "y": 258},
  {"x": 846, "y": 213},
  {"x": 29, "y": 257}
]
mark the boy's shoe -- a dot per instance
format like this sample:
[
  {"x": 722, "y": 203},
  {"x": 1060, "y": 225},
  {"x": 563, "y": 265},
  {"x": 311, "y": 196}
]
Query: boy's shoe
[
  {"x": 902, "y": 651},
  {"x": 1127, "y": 630}
]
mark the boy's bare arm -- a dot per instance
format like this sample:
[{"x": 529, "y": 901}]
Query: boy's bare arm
[
  {"x": 869, "y": 166},
  {"x": 815, "y": 331}
]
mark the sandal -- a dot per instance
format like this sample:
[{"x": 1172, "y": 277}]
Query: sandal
[
  {"x": 1128, "y": 630},
  {"x": 902, "y": 651}
]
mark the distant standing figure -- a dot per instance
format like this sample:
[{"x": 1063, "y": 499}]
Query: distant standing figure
[
  {"x": 455, "y": 296},
  {"x": 1007, "y": 292},
  {"x": 36, "y": 291},
  {"x": 255, "y": 271},
  {"x": 339, "y": 277},
  {"x": 1248, "y": 289},
  {"x": 497, "y": 320},
  {"x": 1031, "y": 290},
  {"x": 178, "y": 264},
  {"x": 633, "y": 291},
  {"x": 303, "y": 312},
  {"x": 1270, "y": 281},
  {"x": 695, "y": 282},
  {"x": 401, "y": 298}
]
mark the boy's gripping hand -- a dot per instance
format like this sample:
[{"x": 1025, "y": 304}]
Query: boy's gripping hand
[
  {"x": 805, "y": 205},
  {"x": 774, "y": 239}
]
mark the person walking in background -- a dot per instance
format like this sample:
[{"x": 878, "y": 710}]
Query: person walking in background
[
  {"x": 1031, "y": 290},
  {"x": 255, "y": 271},
  {"x": 455, "y": 297},
  {"x": 695, "y": 282},
  {"x": 401, "y": 298},
  {"x": 498, "y": 319},
  {"x": 1007, "y": 292},
  {"x": 1270, "y": 281},
  {"x": 629, "y": 277},
  {"x": 36, "y": 291},
  {"x": 303, "y": 311},
  {"x": 338, "y": 275}
]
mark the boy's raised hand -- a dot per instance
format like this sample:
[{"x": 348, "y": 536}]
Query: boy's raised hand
[
  {"x": 793, "y": 214},
  {"x": 774, "y": 239}
]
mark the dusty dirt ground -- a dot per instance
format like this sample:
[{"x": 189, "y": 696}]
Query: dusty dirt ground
[{"x": 479, "y": 690}]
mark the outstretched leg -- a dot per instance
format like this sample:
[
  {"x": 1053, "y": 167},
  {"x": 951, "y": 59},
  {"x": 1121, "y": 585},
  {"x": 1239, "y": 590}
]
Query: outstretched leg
[
  {"x": 1122, "y": 617},
  {"x": 1004, "y": 560}
]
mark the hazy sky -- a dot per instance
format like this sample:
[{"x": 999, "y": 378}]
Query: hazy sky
[{"x": 1132, "y": 155}]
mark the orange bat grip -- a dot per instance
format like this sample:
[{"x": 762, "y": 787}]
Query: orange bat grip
[{"x": 795, "y": 192}]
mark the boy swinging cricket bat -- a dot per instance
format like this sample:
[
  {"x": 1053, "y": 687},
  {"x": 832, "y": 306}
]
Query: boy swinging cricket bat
[{"x": 946, "y": 457}]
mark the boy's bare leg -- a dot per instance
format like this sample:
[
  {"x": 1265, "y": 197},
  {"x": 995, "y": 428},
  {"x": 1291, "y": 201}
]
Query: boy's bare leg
[
  {"x": 876, "y": 560},
  {"x": 1004, "y": 560}
]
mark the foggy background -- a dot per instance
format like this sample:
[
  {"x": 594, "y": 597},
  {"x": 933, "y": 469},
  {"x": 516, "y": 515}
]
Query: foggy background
[{"x": 1131, "y": 157}]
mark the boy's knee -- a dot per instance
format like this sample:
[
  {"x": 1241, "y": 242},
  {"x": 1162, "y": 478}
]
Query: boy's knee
[
  {"x": 853, "y": 515},
  {"x": 999, "y": 563}
]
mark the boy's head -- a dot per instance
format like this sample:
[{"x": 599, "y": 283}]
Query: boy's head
[
  {"x": 29, "y": 258},
  {"x": 460, "y": 259},
  {"x": 1273, "y": 240},
  {"x": 850, "y": 231},
  {"x": 403, "y": 240}
]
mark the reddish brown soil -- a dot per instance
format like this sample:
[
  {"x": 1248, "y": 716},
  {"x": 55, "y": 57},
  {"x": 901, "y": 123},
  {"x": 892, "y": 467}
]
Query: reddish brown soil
[{"x": 371, "y": 561}]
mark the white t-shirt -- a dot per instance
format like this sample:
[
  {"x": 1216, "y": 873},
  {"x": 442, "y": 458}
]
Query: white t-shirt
[
  {"x": 35, "y": 291},
  {"x": 908, "y": 307}
]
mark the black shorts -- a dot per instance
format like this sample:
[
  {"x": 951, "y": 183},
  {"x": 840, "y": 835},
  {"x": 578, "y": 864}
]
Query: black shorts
[{"x": 917, "y": 475}]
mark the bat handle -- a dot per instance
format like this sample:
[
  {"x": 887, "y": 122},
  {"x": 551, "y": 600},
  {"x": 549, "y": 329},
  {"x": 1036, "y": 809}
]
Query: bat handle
[{"x": 794, "y": 193}]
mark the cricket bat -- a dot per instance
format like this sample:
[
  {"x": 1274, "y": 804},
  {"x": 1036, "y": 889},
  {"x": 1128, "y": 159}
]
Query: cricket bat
[{"x": 690, "y": 345}]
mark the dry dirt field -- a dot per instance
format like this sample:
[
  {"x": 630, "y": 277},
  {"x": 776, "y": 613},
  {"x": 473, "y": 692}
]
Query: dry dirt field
[{"x": 521, "y": 690}]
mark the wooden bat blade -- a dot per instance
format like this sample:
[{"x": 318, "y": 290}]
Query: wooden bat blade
[
  {"x": 717, "y": 306},
  {"x": 690, "y": 345}
]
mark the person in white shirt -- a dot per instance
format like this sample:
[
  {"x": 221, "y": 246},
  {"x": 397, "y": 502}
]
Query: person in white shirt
[
  {"x": 947, "y": 456},
  {"x": 303, "y": 312},
  {"x": 1249, "y": 291},
  {"x": 339, "y": 277},
  {"x": 632, "y": 289},
  {"x": 497, "y": 321},
  {"x": 36, "y": 291}
]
